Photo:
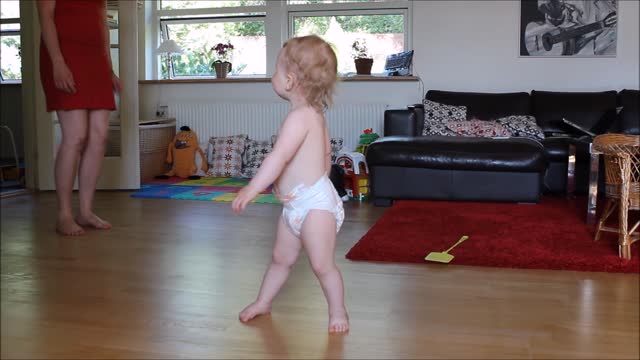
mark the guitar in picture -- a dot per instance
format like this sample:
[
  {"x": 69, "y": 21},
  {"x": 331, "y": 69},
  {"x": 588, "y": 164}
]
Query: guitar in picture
[{"x": 545, "y": 39}]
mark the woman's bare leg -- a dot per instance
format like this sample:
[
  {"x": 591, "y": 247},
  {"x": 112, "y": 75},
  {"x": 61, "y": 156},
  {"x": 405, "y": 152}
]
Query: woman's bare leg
[
  {"x": 90, "y": 165},
  {"x": 74, "y": 134},
  {"x": 285, "y": 254}
]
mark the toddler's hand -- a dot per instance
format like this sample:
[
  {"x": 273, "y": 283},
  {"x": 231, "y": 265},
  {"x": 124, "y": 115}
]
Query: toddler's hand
[{"x": 245, "y": 195}]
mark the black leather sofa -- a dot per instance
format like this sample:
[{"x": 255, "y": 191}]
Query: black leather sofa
[{"x": 402, "y": 163}]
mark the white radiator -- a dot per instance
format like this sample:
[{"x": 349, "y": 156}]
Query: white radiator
[{"x": 261, "y": 120}]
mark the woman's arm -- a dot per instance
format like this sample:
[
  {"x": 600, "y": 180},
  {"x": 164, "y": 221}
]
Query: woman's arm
[{"x": 61, "y": 74}]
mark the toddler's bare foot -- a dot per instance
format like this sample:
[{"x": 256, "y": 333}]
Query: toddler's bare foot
[
  {"x": 68, "y": 227},
  {"x": 338, "y": 322},
  {"x": 94, "y": 221},
  {"x": 253, "y": 310}
]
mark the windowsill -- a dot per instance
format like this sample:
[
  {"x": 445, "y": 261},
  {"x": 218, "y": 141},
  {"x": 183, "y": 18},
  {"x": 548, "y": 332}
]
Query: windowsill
[
  {"x": 18, "y": 82},
  {"x": 267, "y": 79}
]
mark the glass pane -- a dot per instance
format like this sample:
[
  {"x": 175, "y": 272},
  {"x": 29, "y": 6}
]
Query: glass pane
[
  {"x": 382, "y": 34},
  {"x": 307, "y": 2},
  {"x": 196, "y": 40},
  {"x": 114, "y": 138},
  {"x": 9, "y": 9},
  {"x": 10, "y": 27},
  {"x": 10, "y": 58},
  {"x": 201, "y": 4},
  {"x": 114, "y": 40}
]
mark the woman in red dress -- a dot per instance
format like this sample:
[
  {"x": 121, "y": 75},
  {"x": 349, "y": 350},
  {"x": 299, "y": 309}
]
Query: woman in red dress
[{"x": 78, "y": 81}]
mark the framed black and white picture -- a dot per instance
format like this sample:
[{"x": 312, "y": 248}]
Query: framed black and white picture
[{"x": 568, "y": 28}]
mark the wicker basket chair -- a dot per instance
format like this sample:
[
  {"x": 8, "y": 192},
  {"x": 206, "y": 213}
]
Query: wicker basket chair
[{"x": 622, "y": 175}]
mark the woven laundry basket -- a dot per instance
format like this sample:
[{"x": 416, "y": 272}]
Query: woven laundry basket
[{"x": 155, "y": 136}]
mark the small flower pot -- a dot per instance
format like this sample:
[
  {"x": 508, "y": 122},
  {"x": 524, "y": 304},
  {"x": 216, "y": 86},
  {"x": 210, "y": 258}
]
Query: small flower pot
[
  {"x": 222, "y": 69},
  {"x": 363, "y": 66}
]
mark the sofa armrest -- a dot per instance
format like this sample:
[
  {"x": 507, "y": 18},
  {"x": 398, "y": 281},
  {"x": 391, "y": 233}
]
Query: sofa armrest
[{"x": 403, "y": 122}]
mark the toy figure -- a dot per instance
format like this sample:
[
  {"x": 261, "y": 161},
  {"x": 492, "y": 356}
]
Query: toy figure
[{"x": 182, "y": 154}]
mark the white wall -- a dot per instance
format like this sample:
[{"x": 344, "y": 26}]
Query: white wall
[
  {"x": 474, "y": 46},
  {"x": 461, "y": 46}
]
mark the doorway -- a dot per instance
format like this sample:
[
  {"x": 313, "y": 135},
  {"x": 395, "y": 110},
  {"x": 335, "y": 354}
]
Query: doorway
[{"x": 12, "y": 164}]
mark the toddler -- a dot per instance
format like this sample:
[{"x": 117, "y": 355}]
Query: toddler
[{"x": 298, "y": 167}]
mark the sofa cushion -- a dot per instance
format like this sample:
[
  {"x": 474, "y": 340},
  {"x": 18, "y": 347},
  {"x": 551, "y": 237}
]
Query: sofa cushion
[
  {"x": 484, "y": 106},
  {"x": 435, "y": 111},
  {"x": 254, "y": 154},
  {"x": 226, "y": 155},
  {"x": 458, "y": 153},
  {"x": 437, "y": 115},
  {"x": 477, "y": 128},
  {"x": 522, "y": 126},
  {"x": 336, "y": 148},
  {"x": 594, "y": 111}
]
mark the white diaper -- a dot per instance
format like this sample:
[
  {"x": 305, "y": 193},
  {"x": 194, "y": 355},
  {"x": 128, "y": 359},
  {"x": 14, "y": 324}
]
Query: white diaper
[{"x": 319, "y": 196}]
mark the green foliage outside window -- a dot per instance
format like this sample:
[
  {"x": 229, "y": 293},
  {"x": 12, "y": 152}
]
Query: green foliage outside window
[{"x": 354, "y": 24}]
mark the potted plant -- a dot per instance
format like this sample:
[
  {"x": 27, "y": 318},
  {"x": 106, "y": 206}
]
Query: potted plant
[
  {"x": 222, "y": 65},
  {"x": 361, "y": 56}
]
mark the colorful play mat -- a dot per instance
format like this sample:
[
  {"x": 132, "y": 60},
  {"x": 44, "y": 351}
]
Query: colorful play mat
[{"x": 207, "y": 189}]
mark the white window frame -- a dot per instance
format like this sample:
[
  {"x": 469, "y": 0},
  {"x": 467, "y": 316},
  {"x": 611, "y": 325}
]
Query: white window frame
[
  {"x": 208, "y": 20},
  {"x": 278, "y": 21},
  {"x": 8, "y": 33}
]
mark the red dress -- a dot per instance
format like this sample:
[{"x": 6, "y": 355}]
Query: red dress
[{"x": 82, "y": 35}]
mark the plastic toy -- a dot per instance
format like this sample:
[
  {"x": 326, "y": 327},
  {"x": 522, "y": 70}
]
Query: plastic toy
[
  {"x": 352, "y": 162},
  {"x": 445, "y": 257},
  {"x": 366, "y": 138}
]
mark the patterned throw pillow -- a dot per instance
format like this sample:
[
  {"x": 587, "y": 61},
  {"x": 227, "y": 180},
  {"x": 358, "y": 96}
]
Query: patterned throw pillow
[
  {"x": 226, "y": 155},
  {"x": 522, "y": 126},
  {"x": 437, "y": 114},
  {"x": 254, "y": 154},
  {"x": 336, "y": 147},
  {"x": 478, "y": 128},
  {"x": 508, "y": 126}
]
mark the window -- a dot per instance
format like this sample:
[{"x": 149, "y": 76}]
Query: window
[
  {"x": 381, "y": 24},
  {"x": 382, "y": 33},
  {"x": 197, "y": 26},
  {"x": 197, "y": 37},
  {"x": 313, "y": 2},
  {"x": 203, "y": 4},
  {"x": 10, "y": 56}
]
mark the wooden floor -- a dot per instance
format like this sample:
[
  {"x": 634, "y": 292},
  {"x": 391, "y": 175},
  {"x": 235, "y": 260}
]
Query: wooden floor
[{"x": 169, "y": 280}]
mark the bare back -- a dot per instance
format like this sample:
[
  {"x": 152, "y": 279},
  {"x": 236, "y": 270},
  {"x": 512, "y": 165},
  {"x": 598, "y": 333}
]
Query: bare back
[{"x": 313, "y": 157}]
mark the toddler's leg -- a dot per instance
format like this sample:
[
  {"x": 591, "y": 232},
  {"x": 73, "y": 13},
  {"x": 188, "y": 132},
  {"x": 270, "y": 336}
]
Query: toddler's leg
[
  {"x": 319, "y": 239},
  {"x": 285, "y": 254}
]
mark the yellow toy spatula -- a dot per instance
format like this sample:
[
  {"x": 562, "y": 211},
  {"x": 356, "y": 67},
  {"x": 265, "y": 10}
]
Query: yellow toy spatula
[{"x": 444, "y": 257}]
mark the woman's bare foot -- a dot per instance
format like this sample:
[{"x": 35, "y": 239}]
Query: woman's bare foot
[
  {"x": 253, "y": 310},
  {"x": 339, "y": 322},
  {"x": 68, "y": 227},
  {"x": 94, "y": 221}
]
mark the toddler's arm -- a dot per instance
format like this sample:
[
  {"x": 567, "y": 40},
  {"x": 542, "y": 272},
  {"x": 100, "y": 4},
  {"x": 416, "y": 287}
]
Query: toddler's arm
[{"x": 292, "y": 133}]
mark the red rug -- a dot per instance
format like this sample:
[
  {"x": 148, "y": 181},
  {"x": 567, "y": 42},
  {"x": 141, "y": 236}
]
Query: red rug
[{"x": 549, "y": 235}]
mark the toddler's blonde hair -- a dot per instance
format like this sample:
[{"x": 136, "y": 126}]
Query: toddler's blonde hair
[{"x": 314, "y": 63}]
